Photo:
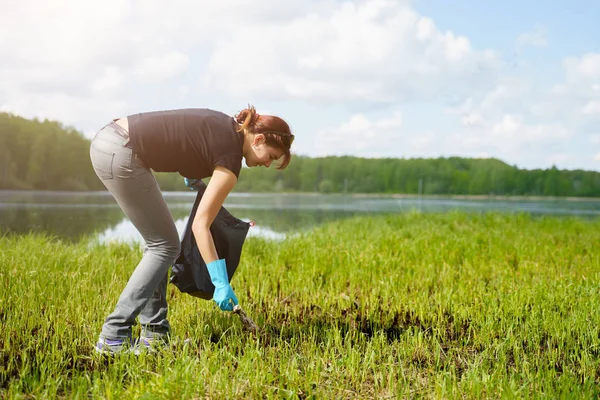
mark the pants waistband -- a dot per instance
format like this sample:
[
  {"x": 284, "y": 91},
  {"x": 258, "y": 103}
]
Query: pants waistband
[{"x": 121, "y": 132}]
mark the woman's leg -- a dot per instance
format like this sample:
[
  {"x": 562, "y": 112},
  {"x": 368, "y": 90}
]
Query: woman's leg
[
  {"x": 153, "y": 316},
  {"x": 135, "y": 189}
]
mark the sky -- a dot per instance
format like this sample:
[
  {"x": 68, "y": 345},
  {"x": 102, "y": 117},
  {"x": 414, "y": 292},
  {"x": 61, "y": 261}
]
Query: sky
[{"x": 514, "y": 80}]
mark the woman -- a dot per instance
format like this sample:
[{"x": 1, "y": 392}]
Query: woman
[{"x": 197, "y": 143}]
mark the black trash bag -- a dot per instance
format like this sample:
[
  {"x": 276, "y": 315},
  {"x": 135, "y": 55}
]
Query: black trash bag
[{"x": 189, "y": 272}]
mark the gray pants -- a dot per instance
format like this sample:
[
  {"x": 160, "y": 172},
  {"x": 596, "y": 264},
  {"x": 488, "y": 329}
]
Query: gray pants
[{"x": 134, "y": 187}]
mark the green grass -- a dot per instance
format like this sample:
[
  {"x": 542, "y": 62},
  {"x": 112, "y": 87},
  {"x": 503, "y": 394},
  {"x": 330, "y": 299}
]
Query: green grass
[{"x": 437, "y": 306}]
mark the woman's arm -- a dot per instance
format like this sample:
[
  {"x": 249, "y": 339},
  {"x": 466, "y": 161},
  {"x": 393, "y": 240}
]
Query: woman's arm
[{"x": 221, "y": 183}]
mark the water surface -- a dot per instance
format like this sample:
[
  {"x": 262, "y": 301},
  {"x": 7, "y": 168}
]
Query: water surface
[{"x": 76, "y": 215}]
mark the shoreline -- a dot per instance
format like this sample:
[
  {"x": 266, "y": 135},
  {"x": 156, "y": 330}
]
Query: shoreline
[{"x": 354, "y": 195}]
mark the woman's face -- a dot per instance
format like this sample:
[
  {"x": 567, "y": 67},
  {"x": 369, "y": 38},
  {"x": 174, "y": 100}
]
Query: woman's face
[{"x": 260, "y": 154}]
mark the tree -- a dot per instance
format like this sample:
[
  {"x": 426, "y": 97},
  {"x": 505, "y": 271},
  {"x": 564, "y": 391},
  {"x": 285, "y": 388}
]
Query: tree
[{"x": 46, "y": 155}]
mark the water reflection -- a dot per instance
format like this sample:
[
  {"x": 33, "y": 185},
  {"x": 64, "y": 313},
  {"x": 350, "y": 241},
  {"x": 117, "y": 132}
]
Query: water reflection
[
  {"x": 72, "y": 222},
  {"x": 73, "y": 216},
  {"x": 124, "y": 231}
]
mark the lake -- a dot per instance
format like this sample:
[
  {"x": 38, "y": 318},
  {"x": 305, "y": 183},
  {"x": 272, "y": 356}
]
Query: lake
[{"x": 95, "y": 215}]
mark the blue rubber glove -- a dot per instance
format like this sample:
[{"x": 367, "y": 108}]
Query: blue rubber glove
[
  {"x": 191, "y": 183},
  {"x": 223, "y": 295}
]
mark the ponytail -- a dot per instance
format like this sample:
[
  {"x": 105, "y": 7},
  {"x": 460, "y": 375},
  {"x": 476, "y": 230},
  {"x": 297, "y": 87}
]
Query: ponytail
[{"x": 247, "y": 118}]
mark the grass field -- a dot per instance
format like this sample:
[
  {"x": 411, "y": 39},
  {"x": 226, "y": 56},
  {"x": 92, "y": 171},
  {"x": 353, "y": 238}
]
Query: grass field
[{"x": 416, "y": 305}]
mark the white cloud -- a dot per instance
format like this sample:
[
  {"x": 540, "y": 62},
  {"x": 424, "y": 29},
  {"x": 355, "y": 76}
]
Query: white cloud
[
  {"x": 592, "y": 108},
  {"x": 392, "y": 122},
  {"x": 586, "y": 68},
  {"x": 71, "y": 110},
  {"x": 512, "y": 131},
  {"x": 339, "y": 68},
  {"x": 527, "y": 124},
  {"x": 361, "y": 51},
  {"x": 473, "y": 120},
  {"x": 537, "y": 37},
  {"x": 558, "y": 158},
  {"x": 595, "y": 138},
  {"x": 160, "y": 67},
  {"x": 422, "y": 142},
  {"x": 361, "y": 135},
  {"x": 379, "y": 51},
  {"x": 511, "y": 138},
  {"x": 182, "y": 92},
  {"x": 510, "y": 135},
  {"x": 376, "y": 137},
  {"x": 110, "y": 81},
  {"x": 317, "y": 51}
]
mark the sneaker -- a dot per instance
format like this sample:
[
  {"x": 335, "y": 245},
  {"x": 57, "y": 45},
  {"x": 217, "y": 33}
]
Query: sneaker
[
  {"x": 149, "y": 345},
  {"x": 112, "y": 346}
]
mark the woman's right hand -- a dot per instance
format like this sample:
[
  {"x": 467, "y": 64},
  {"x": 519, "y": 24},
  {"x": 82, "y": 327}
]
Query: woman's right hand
[
  {"x": 223, "y": 295},
  {"x": 221, "y": 183}
]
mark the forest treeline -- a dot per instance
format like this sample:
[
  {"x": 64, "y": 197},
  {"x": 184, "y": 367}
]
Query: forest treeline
[{"x": 45, "y": 155}]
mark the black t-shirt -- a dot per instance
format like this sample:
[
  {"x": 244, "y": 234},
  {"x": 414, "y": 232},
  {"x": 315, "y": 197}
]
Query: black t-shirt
[{"x": 190, "y": 141}]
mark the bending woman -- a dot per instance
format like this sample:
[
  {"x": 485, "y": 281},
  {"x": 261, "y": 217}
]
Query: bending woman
[{"x": 197, "y": 143}]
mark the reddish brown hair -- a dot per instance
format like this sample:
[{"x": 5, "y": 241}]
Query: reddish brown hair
[{"x": 277, "y": 132}]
